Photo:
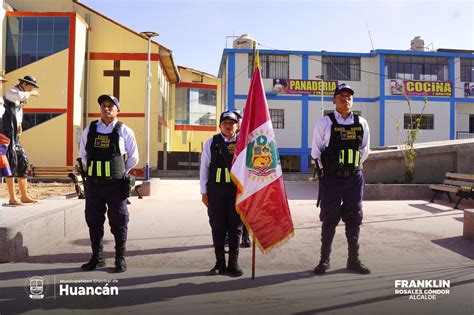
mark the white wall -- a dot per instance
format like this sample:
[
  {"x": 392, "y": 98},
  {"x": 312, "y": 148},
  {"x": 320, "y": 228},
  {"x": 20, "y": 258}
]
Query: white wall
[
  {"x": 314, "y": 116},
  {"x": 368, "y": 86},
  {"x": 396, "y": 109},
  {"x": 371, "y": 112},
  {"x": 242, "y": 80},
  {"x": 314, "y": 66},
  {"x": 295, "y": 71},
  {"x": 463, "y": 110},
  {"x": 290, "y": 136}
]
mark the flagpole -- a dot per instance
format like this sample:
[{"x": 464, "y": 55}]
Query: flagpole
[
  {"x": 255, "y": 63},
  {"x": 253, "y": 257}
]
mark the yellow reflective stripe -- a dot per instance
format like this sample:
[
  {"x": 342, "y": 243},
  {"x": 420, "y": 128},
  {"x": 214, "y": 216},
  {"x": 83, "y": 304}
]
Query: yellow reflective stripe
[
  {"x": 357, "y": 159},
  {"x": 89, "y": 170},
  {"x": 341, "y": 157},
  {"x": 218, "y": 175},
  {"x": 107, "y": 168},
  {"x": 99, "y": 168},
  {"x": 350, "y": 156},
  {"x": 227, "y": 175}
]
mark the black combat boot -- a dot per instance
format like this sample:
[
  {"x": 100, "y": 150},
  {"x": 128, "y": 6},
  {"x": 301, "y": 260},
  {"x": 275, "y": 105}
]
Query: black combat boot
[
  {"x": 233, "y": 266},
  {"x": 120, "y": 264},
  {"x": 353, "y": 262},
  {"x": 219, "y": 268},
  {"x": 97, "y": 260},
  {"x": 246, "y": 243},
  {"x": 324, "y": 261}
]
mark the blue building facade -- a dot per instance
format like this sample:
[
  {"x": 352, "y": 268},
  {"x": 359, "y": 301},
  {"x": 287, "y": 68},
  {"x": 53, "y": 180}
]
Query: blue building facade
[{"x": 388, "y": 84}]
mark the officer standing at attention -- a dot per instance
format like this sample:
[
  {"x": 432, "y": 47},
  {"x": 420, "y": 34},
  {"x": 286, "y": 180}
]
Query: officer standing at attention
[
  {"x": 340, "y": 146},
  {"x": 219, "y": 193},
  {"x": 109, "y": 150}
]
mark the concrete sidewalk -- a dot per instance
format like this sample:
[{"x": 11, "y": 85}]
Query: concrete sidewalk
[{"x": 169, "y": 253}]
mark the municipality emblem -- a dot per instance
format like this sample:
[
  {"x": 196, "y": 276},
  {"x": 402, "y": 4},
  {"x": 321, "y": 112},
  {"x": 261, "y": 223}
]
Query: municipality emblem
[
  {"x": 36, "y": 287},
  {"x": 262, "y": 156}
]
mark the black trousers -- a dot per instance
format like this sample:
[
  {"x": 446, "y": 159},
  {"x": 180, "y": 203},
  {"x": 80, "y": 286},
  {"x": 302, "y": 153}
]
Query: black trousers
[
  {"x": 224, "y": 218},
  {"x": 341, "y": 198},
  {"x": 110, "y": 199}
]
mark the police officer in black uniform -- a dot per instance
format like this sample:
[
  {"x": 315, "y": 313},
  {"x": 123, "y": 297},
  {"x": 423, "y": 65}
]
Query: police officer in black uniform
[
  {"x": 109, "y": 150},
  {"x": 219, "y": 193},
  {"x": 340, "y": 146}
]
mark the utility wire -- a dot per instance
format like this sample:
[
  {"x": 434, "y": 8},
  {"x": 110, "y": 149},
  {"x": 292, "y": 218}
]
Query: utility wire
[
  {"x": 233, "y": 79},
  {"x": 340, "y": 72}
]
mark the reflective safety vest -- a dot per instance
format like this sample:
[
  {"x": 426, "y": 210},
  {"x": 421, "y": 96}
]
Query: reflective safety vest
[
  {"x": 104, "y": 160},
  {"x": 342, "y": 156},
  {"x": 222, "y": 153}
]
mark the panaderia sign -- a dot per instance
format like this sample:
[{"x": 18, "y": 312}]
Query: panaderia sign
[
  {"x": 421, "y": 88},
  {"x": 314, "y": 87}
]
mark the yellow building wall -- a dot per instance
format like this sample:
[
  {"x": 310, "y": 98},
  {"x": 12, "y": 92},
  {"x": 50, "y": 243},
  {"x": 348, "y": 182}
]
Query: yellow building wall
[
  {"x": 41, "y": 5},
  {"x": 52, "y": 83},
  {"x": 45, "y": 144},
  {"x": 180, "y": 139},
  {"x": 95, "y": 34},
  {"x": 108, "y": 37}
]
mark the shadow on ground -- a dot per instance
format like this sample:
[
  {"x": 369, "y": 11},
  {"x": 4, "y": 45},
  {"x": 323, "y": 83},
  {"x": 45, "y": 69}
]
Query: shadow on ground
[
  {"x": 83, "y": 257},
  {"x": 457, "y": 244},
  {"x": 314, "y": 294}
]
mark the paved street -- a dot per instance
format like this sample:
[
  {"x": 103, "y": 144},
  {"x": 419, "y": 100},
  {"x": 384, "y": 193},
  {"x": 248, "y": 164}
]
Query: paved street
[{"x": 169, "y": 253}]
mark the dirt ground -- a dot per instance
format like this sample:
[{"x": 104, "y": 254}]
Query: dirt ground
[{"x": 40, "y": 190}]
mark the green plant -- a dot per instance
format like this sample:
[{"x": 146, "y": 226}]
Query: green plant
[{"x": 407, "y": 141}]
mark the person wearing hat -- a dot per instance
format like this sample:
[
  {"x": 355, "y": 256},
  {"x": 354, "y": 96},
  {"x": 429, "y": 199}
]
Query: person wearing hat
[
  {"x": 218, "y": 194},
  {"x": 15, "y": 99},
  {"x": 340, "y": 146},
  {"x": 109, "y": 151}
]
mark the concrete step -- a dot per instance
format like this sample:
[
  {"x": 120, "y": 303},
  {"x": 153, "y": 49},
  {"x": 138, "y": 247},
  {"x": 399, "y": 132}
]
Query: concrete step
[{"x": 50, "y": 219}]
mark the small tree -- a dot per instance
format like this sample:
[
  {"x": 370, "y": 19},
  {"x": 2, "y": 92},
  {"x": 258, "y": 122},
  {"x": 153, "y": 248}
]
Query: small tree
[{"x": 407, "y": 141}]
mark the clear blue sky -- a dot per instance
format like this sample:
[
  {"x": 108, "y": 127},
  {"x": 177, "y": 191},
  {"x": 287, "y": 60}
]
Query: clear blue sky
[{"x": 196, "y": 30}]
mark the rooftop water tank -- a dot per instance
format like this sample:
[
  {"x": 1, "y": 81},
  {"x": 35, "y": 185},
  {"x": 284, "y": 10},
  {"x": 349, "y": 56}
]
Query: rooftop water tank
[
  {"x": 417, "y": 44},
  {"x": 243, "y": 42}
]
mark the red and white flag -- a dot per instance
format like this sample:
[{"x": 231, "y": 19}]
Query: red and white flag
[{"x": 261, "y": 195}]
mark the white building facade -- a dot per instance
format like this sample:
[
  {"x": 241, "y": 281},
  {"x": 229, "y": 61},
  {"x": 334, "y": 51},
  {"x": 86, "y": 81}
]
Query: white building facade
[{"x": 382, "y": 81}]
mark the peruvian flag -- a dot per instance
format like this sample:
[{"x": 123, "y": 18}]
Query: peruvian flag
[{"x": 256, "y": 170}]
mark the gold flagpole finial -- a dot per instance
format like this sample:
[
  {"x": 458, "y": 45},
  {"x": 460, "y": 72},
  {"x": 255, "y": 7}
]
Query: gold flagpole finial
[{"x": 256, "y": 62}]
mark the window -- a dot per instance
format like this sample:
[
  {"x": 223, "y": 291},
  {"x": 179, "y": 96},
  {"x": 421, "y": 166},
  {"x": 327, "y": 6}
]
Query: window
[
  {"x": 341, "y": 68},
  {"x": 33, "y": 119},
  {"x": 467, "y": 70},
  {"x": 417, "y": 68},
  {"x": 32, "y": 38},
  {"x": 207, "y": 97},
  {"x": 278, "y": 118},
  {"x": 427, "y": 121},
  {"x": 273, "y": 66},
  {"x": 195, "y": 107},
  {"x": 471, "y": 123}
]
